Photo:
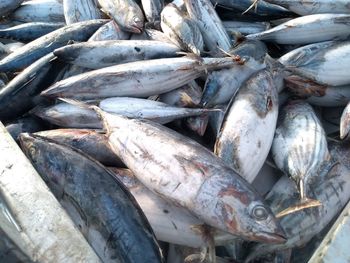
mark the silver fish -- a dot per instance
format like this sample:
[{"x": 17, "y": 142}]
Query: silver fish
[
  {"x": 152, "y": 9},
  {"x": 100, "y": 54},
  {"x": 214, "y": 34},
  {"x": 80, "y": 10},
  {"x": 300, "y": 146},
  {"x": 136, "y": 79},
  {"x": 245, "y": 28},
  {"x": 203, "y": 184},
  {"x": 126, "y": 13},
  {"x": 8, "y": 6},
  {"x": 247, "y": 131},
  {"x": 110, "y": 31},
  {"x": 39, "y": 11},
  {"x": 308, "y": 29},
  {"x": 181, "y": 30},
  {"x": 345, "y": 123}
]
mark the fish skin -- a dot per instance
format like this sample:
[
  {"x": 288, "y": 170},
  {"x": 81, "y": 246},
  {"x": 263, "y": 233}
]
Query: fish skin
[
  {"x": 332, "y": 188},
  {"x": 8, "y": 6},
  {"x": 245, "y": 28},
  {"x": 135, "y": 79},
  {"x": 126, "y": 13},
  {"x": 314, "y": 6},
  {"x": 25, "y": 124},
  {"x": 345, "y": 123},
  {"x": 248, "y": 127},
  {"x": 328, "y": 66},
  {"x": 109, "y": 31},
  {"x": 203, "y": 184},
  {"x": 100, "y": 54},
  {"x": 221, "y": 86},
  {"x": 19, "y": 95},
  {"x": 40, "y": 11},
  {"x": 152, "y": 9},
  {"x": 80, "y": 10},
  {"x": 263, "y": 8},
  {"x": 214, "y": 34},
  {"x": 300, "y": 147},
  {"x": 29, "y": 31},
  {"x": 42, "y": 46},
  {"x": 101, "y": 207},
  {"x": 92, "y": 142},
  {"x": 182, "y": 31},
  {"x": 308, "y": 29}
]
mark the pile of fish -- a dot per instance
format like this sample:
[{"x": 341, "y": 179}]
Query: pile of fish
[{"x": 184, "y": 131}]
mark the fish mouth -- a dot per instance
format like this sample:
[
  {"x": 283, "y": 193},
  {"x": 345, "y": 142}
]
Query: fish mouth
[
  {"x": 136, "y": 30},
  {"x": 277, "y": 237}
]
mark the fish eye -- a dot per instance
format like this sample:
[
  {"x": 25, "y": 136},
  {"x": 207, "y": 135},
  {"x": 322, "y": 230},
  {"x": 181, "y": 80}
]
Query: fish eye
[{"x": 259, "y": 212}]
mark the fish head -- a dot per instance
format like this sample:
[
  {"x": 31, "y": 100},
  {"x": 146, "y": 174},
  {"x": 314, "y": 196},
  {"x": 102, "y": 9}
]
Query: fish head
[
  {"x": 43, "y": 158},
  {"x": 135, "y": 21}
]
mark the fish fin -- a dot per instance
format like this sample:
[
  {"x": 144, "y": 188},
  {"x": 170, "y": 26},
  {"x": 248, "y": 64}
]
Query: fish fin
[
  {"x": 197, "y": 257},
  {"x": 5, "y": 212},
  {"x": 305, "y": 203},
  {"x": 304, "y": 87},
  {"x": 253, "y": 5},
  {"x": 101, "y": 115},
  {"x": 74, "y": 102},
  {"x": 236, "y": 58},
  {"x": 187, "y": 100}
]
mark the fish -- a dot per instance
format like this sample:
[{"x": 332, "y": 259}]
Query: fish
[
  {"x": 100, "y": 54},
  {"x": 101, "y": 207},
  {"x": 345, "y": 123},
  {"x": 75, "y": 115},
  {"x": 182, "y": 31},
  {"x": 29, "y": 31},
  {"x": 21, "y": 93},
  {"x": 4, "y": 51},
  {"x": 25, "y": 124},
  {"x": 170, "y": 223},
  {"x": 126, "y": 13},
  {"x": 245, "y": 28},
  {"x": 39, "y": 11},
  {"x": 299, "y": 147},
  {"x": 214, "y": 34},
  {"x": 222, "y": 85},
  {"x": 308, "y": 29},
  {"x": 212, "y": 191},
  {"x": 332, "y": 188},
  {"x": 314, "y": 6},
  {"x": 18, "y": 193},
  {"x": 135, "y": 79},
  {"x": 109, "y": 31},
  {"x": 8, "y": 6},
  {"x": 326, "y": 67},
  {"x": 80, "y": 10},
  {"x": 92, "y": 142},
  {"x": 152, "y": 10},
  {"x": 42, "y": 46},
  {"x": 247, "y": 131}
]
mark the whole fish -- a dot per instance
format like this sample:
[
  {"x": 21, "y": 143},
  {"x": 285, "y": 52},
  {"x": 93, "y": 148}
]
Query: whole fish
[
  {"x": 136, "y": 79},
  {"x": 261, "y": 8},
  {"x": 100, "y": 54},
  {"x": 109, "y": 31},
  {"x": 40, "y": 11},
  {"x": 308, "y": 29},
  {"x": 34, "y": 50},
  {"x": 246, "y": 28},
  {"x": 328, "y": 66},
  {"x": 345, "y": 123},
  {"x": 316, "y": 94},
  {"x": 8, "y": 6},
  {"x": 21, "y": 93},
  {"x": 221, "y": 85},
  {"x": 80, "y": 10},
  {"x": 170, "y": 223},
  {"x": 299, "y": 148},
  {"x": 25, "y": 124},
  {"x": 152, "y": 9},
  {"x": 214, "y": 34},
  {"x": 314, "y": 6},
  {"x": 332, "y": 188},
  {"x": 100, "y": 206},
  {"x": 52, "y": 236},
  {"x": 181, "y": 30},
  {"x": 247, "y": 130},
  {"x": 203, "y": 183},
  {"x": 29, "y": 31},
  {"x": 126, "y": 13},
  {"x": 91, "y": 142}
]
